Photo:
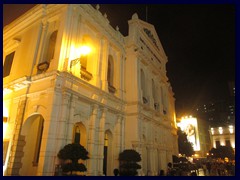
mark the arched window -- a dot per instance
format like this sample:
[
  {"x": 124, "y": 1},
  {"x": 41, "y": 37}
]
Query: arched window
[
  {"x": 110, "y": 75},
  {"x": 163, "y": 100},
  {"x": 145, "y": 101},
  {"x": 44, "y": 64},
  {"x": 154, "y": 95},
  {"x": 51, "y": 46}
]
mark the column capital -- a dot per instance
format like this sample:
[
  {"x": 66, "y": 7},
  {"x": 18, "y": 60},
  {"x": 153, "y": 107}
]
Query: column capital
[{"x": 94, "y": 108}]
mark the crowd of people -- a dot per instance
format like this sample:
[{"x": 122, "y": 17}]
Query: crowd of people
[
  {"x": 219, "y": 169},
  {"x": 208, "y": 168}
]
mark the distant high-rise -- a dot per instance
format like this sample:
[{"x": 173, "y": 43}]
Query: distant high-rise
[{"x": 221, "y": 112}]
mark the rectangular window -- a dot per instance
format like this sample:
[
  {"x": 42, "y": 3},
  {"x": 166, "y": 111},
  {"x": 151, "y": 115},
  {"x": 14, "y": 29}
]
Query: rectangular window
[
  {"x": 228, "y": 143},
  {"x": 8, "y": 64},
  {"x": 217, "y": 144}
]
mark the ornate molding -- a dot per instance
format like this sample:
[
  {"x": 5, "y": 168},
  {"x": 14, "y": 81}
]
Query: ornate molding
[
  {"x": 17, "y": 84},
  {"x": 150, "y": 35},
  {"x": 85, "y": 74},
  {"x": 12, "y": 44}
]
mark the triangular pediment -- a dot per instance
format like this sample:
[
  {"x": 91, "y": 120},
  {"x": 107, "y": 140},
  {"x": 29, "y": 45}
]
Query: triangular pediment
[{"x": 148, "y": 30}]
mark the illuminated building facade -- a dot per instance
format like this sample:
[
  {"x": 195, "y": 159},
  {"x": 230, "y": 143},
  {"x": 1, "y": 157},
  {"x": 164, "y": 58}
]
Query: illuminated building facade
[
  {"x": 70, "y": 77},
  {"x": 223, "y": 136},
  {"x": 197, "y": 133}
]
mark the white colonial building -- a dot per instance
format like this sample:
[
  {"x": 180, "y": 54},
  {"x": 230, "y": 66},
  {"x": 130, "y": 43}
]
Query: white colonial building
[{"x": 68, "y": 76}]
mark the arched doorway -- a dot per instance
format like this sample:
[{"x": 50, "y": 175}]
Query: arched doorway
[
  {"x": 31, "y": 137},
  {"x": 108, "y": 155}
]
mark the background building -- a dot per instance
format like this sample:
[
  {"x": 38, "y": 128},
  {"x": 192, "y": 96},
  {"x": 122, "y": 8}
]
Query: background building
[
  {"x": 197, "y": 131},
  {"x": 70, "y": 77},
  {"x": 223, "y": 136}
]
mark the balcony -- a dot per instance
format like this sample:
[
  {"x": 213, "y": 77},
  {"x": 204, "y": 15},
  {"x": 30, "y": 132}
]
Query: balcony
[
  {"x": 111, "y": 89},
  {"x": 85, "y": 74}
]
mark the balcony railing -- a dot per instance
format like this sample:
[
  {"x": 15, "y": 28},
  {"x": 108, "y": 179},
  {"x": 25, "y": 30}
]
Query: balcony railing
[
  {"x": 85, "y": 74},
  {"x": 111, "y": 89}
]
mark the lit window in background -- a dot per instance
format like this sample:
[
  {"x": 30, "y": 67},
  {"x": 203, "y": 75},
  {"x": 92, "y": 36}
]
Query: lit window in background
[
  {"x": 220, "y": 130},
  {"x": 212, "y": 131},
  {"x": 231, "y": 129}
]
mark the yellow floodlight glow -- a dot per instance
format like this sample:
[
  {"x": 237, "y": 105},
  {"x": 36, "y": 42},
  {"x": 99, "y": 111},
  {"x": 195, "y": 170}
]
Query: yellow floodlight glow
[
  {"x": 5, "y": 125},
  {"x": 84, "y": 50},
  {"x": 189, "y": 125},
  {"x": 5, "y": 111}
]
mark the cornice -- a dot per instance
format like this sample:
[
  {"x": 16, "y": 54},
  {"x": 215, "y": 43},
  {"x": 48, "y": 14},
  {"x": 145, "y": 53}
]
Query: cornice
[{"x": 34, "y": 15}]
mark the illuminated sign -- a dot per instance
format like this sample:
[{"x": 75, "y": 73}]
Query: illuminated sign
[{"x": 190, "y": 127}]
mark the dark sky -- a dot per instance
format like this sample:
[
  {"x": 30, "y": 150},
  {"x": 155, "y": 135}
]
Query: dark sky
[{"x": 198, "y": 39}]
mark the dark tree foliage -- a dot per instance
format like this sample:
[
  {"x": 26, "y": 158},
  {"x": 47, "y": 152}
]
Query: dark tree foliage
[
  {"x": 184, "y": 146},
  {"x": 73, "y": 152},
  {"x": 222, "y": 152},
  {"x": 175, "y": 159},
  {"x": 128, "y": 162}
]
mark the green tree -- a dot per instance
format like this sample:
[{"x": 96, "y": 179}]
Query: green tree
[
  {"x": 184, "y": 146},
  {"x": 128, "y": 162},
  {"x": 70, "y": 154}
]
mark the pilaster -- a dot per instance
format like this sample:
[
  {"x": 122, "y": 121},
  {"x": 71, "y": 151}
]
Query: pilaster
[
  {"x": 91, "y": 163},
  {"x": 101, "y": 142}
]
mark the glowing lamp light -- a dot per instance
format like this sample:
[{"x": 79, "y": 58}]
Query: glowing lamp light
[{"x": 84, "y": 50}]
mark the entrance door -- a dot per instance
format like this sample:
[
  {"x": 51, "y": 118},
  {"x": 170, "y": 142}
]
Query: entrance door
[{"x": 108, "y": 159}]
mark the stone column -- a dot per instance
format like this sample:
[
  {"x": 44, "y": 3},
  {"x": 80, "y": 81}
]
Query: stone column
[
  {"x": 91, "y": 162},
  {"x": 150, "y": 158},
  {"x": 104, "y": 68},
  {"x": 118, "y": 141},
  {"x": 43, "y": 40},
  {"x": 99, "y": 57},
  {"x": 163, "y": 160},
  {"x": 62, "y": 128},
  {"x": 137, "y": 146},
  {"x": 101, "y": 142},
  {"x": 70, "y": 122}
]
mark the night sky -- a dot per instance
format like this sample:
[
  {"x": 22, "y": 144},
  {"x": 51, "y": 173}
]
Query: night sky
[{"x": 199, "y": 41}]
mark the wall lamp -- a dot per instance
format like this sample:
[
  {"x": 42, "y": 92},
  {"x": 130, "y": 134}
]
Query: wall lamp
[{"x": 84, "y": 51}]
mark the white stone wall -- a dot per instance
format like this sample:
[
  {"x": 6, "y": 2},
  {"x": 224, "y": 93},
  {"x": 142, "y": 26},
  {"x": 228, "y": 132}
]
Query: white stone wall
[{"x": 63, "y": 98}]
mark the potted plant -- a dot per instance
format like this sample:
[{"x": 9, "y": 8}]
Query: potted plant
[
  {"x": 128, "y": 162},
  {"x": 70, "y": 155}
]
